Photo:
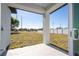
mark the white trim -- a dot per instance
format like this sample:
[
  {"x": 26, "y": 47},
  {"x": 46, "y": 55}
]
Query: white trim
[{"x": 70, "y": 41}]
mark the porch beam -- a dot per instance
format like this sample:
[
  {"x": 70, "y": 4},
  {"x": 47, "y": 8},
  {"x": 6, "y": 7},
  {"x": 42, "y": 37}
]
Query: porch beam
[
  {"x": 28, "y": 7},
  {"x": 53, "y": 8}
]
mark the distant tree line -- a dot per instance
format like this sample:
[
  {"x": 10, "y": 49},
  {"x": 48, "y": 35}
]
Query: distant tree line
[
  {"x": 25, "y": 29},
  {"x": 15, "y": 24}
]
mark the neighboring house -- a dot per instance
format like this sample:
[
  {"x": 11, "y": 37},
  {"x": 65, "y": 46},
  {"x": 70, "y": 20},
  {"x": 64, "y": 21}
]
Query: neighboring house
[{"x": 60, "y": 31}]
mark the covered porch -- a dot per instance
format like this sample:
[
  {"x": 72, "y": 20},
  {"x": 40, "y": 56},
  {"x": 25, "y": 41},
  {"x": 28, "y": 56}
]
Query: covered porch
[
  {"x": 37, "y": 50},
  {"x": 43, "y": 49}
]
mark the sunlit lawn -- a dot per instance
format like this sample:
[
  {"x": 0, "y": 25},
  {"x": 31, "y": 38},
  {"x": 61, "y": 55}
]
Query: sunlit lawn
[
  {"x": 60, "y": 40},
  {"x": 26, "y": 38}
]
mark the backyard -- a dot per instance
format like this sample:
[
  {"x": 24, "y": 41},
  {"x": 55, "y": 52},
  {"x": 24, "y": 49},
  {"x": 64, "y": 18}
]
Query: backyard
[
  {"x": 60, "y": 40},
  {"x": 26, "y": 38}
]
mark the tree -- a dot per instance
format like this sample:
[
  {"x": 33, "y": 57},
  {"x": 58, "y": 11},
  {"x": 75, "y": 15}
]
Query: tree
[{"x": 14, "y": 23}]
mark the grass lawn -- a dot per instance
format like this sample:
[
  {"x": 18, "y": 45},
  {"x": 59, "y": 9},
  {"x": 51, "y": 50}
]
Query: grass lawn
[
  {"x": 25, "y": 38},
  {"x": 59, "y": 40}
]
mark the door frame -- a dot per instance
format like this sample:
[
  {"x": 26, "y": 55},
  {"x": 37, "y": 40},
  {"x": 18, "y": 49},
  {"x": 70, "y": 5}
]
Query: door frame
[{"x": 70, "y": 36}]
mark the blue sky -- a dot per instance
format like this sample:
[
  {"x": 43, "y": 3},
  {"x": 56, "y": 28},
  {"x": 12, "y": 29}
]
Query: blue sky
[
  {"x": 32, "y": 20},
  {"x": 59, "y": 18},
  {"x": 29, "y": 20}
]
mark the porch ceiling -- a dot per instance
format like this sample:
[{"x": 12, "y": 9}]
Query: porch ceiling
[
  {"x": 33, "y": 7},
  {"x": 42, "y": 5}
]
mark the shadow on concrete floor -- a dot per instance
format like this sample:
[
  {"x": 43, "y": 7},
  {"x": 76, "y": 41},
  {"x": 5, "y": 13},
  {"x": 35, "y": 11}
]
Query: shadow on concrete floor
[{"x": 58, "y": 48}]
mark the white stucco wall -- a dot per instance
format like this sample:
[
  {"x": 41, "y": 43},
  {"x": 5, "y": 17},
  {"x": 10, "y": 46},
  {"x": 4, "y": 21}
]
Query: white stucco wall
[{"x": 5, "y": 24}]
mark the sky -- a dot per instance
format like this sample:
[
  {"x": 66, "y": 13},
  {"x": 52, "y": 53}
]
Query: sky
[
  {"x": 59, "y": 18},
  {"x": 32, "y": 20},
  {"x": 29, "y": 19}
]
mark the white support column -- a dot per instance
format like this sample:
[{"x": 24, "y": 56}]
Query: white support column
[
  {"x": 5, "y": 27},
  {"x": 70, "y": 41},
  {"x": 46, "y": 31},
  {"x": 0, "y": 22}
]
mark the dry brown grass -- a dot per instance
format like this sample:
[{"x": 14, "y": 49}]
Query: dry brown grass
[
  {"x": 25, "y": 38},
  {"x": 60, "y": 40}
]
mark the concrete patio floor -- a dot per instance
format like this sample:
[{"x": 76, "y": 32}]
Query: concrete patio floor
[{"x": 36, "y": 50}]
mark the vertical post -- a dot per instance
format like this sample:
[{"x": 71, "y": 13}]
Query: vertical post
[
  {"x": 70, "y": 41},
  {"x": 21, "y": 22},
  {"x": 0, "y": 23},
  {"x": 46, "y": 31}
]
